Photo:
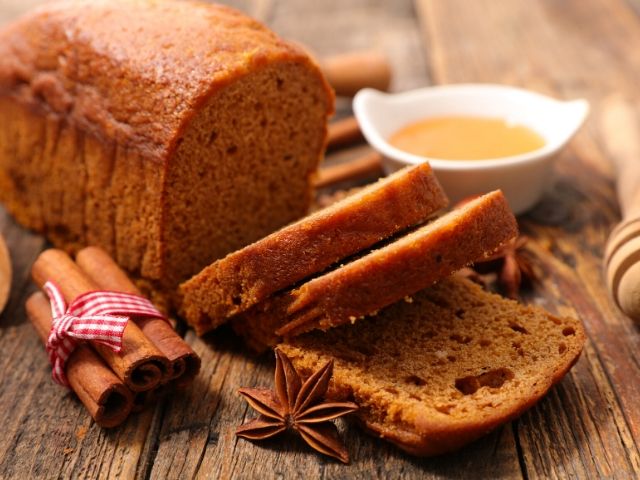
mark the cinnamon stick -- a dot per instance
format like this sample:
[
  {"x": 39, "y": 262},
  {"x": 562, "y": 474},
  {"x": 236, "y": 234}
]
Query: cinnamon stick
[
  {"x": 349, "y": 72},
  {"x": 106, "y": 398},
  {"x": 370, "y": 164},
  {"x": 343, "y": 132},
  {"x": 105, "y": 272},
  {"x": 139, "y": 364}
]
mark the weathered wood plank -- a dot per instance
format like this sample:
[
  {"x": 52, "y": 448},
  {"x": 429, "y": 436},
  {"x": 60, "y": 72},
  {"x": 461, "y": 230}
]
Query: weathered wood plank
[{"x": 587, "y": 427}]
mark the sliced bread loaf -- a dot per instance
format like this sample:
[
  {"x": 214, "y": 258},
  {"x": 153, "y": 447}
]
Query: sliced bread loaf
[
  {"x": 250, "y": 275},
  {"x": 437, "y": 371},
  {"x": 388, "y": 274},
  {"x": 169, "y": 133}
]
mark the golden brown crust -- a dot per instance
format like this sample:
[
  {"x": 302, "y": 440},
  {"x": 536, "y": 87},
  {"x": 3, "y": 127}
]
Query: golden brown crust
[
  {"x": 440, "y": 372},
  {"x": 92, "y": 62},
  {"x": 403, "y": 267},
  {"x": 248, "y": 276}
]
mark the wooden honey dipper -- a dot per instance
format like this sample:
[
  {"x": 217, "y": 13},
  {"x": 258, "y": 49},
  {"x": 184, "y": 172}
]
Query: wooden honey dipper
[{"x": 621, "y": 133}]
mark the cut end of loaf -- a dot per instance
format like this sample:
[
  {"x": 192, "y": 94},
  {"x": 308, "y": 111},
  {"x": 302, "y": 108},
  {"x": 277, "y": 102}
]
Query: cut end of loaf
[
  {"x": 243, "y": 168},
  {"x": 445, "y": 369}
]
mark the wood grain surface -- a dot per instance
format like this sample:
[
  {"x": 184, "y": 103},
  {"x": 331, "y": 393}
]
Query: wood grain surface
[{"x": 587, "y": 427}]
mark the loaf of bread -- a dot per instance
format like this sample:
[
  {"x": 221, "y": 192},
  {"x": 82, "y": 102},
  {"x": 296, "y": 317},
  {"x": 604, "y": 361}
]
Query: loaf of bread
[
  {"x": 385, "y": 275},
  {"x": 168, "y": 132},
  {"x": 249, "y": 276},
  {"x": 445, "y": 367}
]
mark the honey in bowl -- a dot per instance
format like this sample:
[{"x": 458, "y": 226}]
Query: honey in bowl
[{"x": 466, "y": 138}]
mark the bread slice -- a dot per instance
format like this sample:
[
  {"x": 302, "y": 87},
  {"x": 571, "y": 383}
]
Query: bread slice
[
  {"x": 250, "y": 275},
  {"x": 437, "y": 371},
  {"x": 388, "y": 274}
]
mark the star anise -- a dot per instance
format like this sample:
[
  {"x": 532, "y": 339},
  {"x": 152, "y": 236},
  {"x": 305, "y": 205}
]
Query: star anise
[
  {"x": 299, "y": 407},
  {"x": 513, "y": 262}
]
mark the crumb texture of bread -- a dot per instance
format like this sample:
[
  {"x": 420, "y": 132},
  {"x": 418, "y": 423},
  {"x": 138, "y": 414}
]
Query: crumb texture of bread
[
  {"x": 170, "y": 133},
  {"x": 401, "y": 268},
  {"x": 249, "y": 276},
  {"x": 445, "y": 367}
]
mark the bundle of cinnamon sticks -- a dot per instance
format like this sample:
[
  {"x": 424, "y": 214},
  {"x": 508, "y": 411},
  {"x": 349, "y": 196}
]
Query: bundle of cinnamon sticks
[{"x": 153, "y": 357}]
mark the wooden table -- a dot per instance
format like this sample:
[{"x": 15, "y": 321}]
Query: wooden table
[{"x": 587, "y": 427}]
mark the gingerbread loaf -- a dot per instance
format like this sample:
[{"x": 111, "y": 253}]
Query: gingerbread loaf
[
  {"x": 251, "y": 275},
  {"x": 439, "y": 371},
  {"x": 385, "y": 275},
  {"x": 169, "y": 133}
]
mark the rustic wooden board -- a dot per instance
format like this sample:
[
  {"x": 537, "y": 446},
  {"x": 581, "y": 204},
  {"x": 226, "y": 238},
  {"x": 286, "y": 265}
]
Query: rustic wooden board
[
  {"x": 568, "y": 49},
  {"x": 587, "y": 427}
]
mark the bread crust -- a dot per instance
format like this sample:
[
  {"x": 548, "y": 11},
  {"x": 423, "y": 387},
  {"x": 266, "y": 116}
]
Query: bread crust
[{"x": 401, "y": 268}]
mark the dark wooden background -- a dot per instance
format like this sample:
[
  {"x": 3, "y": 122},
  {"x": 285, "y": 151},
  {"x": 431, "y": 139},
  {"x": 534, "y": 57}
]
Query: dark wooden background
[{"x": 587, "y": 427}]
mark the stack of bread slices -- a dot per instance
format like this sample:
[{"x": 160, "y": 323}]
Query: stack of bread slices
[{"x": 432, "y": 359}]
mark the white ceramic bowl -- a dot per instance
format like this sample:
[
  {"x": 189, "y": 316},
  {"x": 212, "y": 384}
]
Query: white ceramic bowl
[{"x": 522, "y": 178}]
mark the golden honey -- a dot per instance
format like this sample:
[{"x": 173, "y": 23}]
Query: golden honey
[{"x": 466, "y": 138}]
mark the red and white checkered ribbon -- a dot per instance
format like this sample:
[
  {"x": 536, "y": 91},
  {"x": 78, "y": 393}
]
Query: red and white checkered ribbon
[{"x": 99, "y": 316}]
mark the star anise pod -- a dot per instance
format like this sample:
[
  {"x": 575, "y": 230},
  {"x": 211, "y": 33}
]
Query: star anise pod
[
  {"x": 299, "y": 407},
  {"x": 513, "y": 263}
]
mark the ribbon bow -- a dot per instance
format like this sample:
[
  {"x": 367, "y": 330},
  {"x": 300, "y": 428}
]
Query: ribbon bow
[{"x": 98, "y": 316}]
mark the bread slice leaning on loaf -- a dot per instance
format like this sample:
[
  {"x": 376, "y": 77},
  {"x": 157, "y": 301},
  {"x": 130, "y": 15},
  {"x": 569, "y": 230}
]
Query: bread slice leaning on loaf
[
  {"x": 385, "y": 275},
  {"x": 170, "y": 133},
  {"x": 250, "y": 275},
  {"x": 440, "y": 370}
]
